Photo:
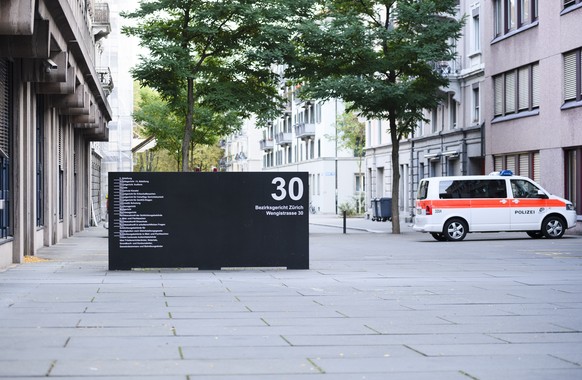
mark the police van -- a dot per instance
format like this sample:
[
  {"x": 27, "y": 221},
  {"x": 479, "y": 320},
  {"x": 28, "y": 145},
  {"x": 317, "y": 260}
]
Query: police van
[{"x": 450, "y": 207}]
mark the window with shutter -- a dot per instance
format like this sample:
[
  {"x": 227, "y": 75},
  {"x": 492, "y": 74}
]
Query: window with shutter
[
  {"x": 524, "y": 165},
  {"x": 570, "y": 76},
  {"x": 510, "y": 163},
  {"x": 536, "y": 167},
  {"x": 498, "y": 163},
  {"x": 523, "y": 85},
  {"x": 498, "y": 89},
  {"x": 510, "y": 92},
  {"x": 535, "y": 85}
]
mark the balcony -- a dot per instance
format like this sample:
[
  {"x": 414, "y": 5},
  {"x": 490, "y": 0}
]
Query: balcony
[
  {"x": 284, "y": 138},
  {"x": 266, "y": 144},
  {"x": 101, "y": 24},
  {"x": 305, "y": 131},
  {"x": 105, "y": 78}
]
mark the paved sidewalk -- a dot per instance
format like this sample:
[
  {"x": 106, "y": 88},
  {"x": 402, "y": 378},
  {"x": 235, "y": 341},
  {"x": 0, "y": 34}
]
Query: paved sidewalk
[{"x": 373, "y": 306}]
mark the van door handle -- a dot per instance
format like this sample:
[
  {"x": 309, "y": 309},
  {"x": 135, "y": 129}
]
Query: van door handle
[
  {"x": 504, "y": 201},
  {"x": 516, "y": 201}
]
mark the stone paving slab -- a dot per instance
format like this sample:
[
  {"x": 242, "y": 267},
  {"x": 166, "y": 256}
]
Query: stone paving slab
[{"x": 373, "y": 305}]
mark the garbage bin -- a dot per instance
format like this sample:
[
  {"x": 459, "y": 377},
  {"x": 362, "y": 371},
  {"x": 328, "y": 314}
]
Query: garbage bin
[
  {"x": 384, "y": 209},
  {"x": 375, "y": 211}
]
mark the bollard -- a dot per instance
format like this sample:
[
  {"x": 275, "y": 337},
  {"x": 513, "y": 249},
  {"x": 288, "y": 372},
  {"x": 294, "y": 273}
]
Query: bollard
[{"x": 344, "y": 221}]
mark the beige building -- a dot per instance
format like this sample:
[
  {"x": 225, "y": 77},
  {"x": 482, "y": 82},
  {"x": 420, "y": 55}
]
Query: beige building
[
  {"x": 514, "y": 102},
  {"x": 53, "y": 104},
  {"x": 533, "y": 93}
]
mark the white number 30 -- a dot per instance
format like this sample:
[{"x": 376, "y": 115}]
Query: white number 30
[{"x": 295, "y": 189}]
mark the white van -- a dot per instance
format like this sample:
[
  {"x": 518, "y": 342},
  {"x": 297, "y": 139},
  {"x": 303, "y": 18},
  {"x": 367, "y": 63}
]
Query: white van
[{"x": 450, "y": 207}]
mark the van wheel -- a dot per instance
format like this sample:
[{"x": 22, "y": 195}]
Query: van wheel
[
  {"x": 455, "y": 230},
  {"x": 535, "y": 234},
  {"x": 553, "y": 227},
  {"x": 438, "y": 236}
]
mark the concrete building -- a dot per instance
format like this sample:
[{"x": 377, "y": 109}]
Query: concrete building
[
  {"x": 53, "y": 105},
  {"x": 532, "y": 92}
]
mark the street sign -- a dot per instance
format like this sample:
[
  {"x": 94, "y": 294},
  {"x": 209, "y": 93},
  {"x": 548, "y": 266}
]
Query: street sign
[{"x": 208, "y": 220}]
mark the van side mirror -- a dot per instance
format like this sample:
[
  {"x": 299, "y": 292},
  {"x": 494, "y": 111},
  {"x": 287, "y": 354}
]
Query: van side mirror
[{"x": 542, "y": 195}]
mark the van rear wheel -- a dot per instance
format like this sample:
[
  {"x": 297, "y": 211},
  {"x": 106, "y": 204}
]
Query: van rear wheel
[
  {"x": 455, "y": 230},
  {"x": 553, "y": 227}
]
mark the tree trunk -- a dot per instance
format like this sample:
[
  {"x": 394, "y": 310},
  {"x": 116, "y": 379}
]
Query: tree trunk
[
  {"x": 188, "y": 128},
  {"x": 394, "y": 136}
]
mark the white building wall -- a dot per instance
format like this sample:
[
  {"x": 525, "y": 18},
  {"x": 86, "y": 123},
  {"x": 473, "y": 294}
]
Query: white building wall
[
  {"x": 332, "y": 170},
  {"x": 120, "y": 53}
]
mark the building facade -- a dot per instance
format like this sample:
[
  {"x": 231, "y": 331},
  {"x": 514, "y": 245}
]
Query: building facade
[
  {"x": 533, "y": 92},
  {"x": 242, "y": 152},
  {"x": 514, "y": 102},
  {"x": 305, "y": 138},
  {"x": 53, "y": 105},
  {"x": 450, "y": 141}
]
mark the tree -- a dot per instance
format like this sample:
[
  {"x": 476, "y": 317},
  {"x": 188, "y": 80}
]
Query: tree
[
  {"x": 351, "y": 135},
  {"x": 214, "y": 55},
  {"x": 156, "y": 119},
  {"x": 377, "y": 55}
]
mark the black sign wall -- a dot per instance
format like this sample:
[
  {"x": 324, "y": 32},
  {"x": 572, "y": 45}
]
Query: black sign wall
[{"x": 208, "y": 220}]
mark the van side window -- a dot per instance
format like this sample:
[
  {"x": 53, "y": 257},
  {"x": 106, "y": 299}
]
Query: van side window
[
  {"x": 472, "y": 189},
  {"x": 422, "y": 190},
  {"x": 524, "y": 189}
]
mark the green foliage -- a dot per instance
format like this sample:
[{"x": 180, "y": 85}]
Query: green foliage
[
  {"x": 155, "y": 118},
  {"x": 348, "y": 208},
  {"x": 377, "y": 56},
  {"x": 213, "y": 55},
  {"x": 351, "y": 133}
]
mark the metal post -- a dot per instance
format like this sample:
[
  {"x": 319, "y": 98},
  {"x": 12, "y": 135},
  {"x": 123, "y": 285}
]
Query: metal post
[{"x": 344, "y": 213}]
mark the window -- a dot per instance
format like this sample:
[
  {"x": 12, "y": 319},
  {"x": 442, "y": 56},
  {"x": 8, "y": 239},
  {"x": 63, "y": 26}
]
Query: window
[
  {"x": 494, "y": 188},
  {"x": 5, "y": 123},
  {"x": 476, "y": 104},
  {"x": 434, "y": 120},
  {"x": 572, "y": 76},
  {"x": 524, "y": 164},
  {"x": 516, "y": 90},
  {"x": 452, "y": 112},
  {"x": 511, "y": 15},
  {"x": 476, "y": 34},
  {"x": 569, "y": 3},
  {"x": 39, "y": 160},
  {"x": 360, "y": 183},
  {"x": 379, "y": 132},
  {"x": 524, "y": 189},
  {"x": 573, "y": 167},
  {"x": 422, "y": 190}
]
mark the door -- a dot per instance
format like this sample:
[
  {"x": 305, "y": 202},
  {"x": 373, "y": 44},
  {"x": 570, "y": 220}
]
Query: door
[{"x": 528, "y": 206}]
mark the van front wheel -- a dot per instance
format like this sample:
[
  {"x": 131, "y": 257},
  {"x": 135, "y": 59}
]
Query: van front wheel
[
  {"x": 553, "y": 227},
  {"x": 455, "y": 230}
]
